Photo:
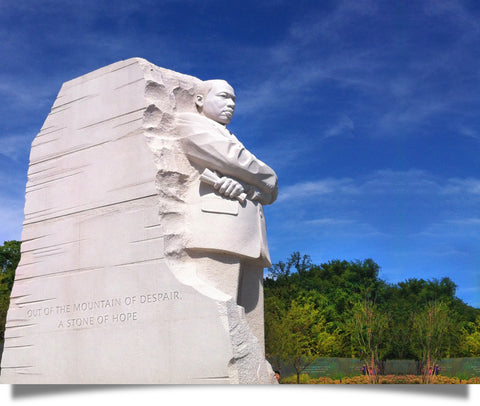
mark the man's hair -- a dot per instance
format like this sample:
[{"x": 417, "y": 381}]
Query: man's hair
[{"x": 204, "y": 87}]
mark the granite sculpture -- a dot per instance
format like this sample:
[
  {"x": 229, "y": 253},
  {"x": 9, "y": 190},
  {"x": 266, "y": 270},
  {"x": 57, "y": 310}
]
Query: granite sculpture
[{"x": 144, "y": 238}]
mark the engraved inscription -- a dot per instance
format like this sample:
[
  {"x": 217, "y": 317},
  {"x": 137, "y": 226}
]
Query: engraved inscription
[{"x": 100, "y": 312}]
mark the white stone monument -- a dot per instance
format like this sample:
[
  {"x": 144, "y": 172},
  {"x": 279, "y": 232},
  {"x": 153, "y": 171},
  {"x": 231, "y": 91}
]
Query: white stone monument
[{"x": 144, "y": 242}]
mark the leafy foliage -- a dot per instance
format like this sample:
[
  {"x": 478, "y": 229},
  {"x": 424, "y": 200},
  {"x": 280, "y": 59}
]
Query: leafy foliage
[
  {"x": 472, "y": 338},
  {"x": 9, "y": 258},
  {"x": 434, "y": 336},
  {"x": 368, "y": 327},
  {"x": 301, "y": 336},
  {"x": 361, "y": 315}
]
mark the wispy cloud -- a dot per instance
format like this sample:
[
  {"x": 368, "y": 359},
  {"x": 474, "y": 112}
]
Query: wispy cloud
[
  {"x": 24, "y": 96},
  {"x": 330, "y": 25},
  {"x": 386, "y": 181},
  {"x": 464, "y": 227},
  {"x": 469, "y": 132},
  {"x": 394, "y": 182},
  {"x": 385, "y": 89},
  {"x": 316, "y": 189},
  {"x": 344, "y": 127},
  {"x": 454, "y": 11},
  {"x": 329, "y": 222},
  {"x": 466, "y": 188},
  {"x": 408, "y": 204},
  {"x": 340, "y": 227},
  {"x": 16, "y": 147}
]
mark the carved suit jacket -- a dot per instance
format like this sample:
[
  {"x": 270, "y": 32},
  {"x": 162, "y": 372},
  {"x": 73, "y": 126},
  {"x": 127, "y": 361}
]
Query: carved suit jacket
[{"x": 214, "y": 222}]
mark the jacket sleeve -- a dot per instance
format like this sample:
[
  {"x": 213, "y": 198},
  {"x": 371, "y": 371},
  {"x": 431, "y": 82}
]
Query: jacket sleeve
[{"x": 205, "y": 145}]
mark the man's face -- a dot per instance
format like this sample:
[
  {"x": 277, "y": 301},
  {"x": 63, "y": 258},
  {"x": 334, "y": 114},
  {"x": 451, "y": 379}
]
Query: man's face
[{"x": 219, "y": 103}]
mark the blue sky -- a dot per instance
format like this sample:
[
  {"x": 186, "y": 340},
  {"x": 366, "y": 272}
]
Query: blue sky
[{"x": 367, "y": 110}]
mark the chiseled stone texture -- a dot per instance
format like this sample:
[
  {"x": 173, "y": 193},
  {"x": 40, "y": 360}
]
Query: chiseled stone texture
[{"x": 105, "y": 292}]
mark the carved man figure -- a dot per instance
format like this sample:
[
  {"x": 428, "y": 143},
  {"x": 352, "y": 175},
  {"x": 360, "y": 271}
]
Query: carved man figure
[{"x": 228, "y": 186}]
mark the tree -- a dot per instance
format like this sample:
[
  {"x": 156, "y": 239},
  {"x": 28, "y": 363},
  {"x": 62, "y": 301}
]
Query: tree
[
  {"x": 368, "y": 328},
  {"x": 9, "y": 258},
  {"x": 296, "y": 260},
  {"x": 408, "y": 298},
  {"x": 471, "y": 339},
  {"x": 339, "y": 289},
  {"x": 302, "y": 336},
  {"x": 274, "y": 314},
  {"x": 434, "y": 332}
]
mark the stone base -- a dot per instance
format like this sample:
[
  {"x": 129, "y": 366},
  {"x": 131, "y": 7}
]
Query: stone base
[{"x": 128, "y": 324}]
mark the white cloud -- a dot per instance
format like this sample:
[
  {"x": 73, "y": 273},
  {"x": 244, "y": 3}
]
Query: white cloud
[
  {"x": 401, "y": 90},
  {"x": 455, "y": 11},
  {"x": 340, "y": 227},
  {"x": 383, "y": 182},
  {"x": 465, "y": 228},
  {"x": 329, "y": 222},
  {"x": 413, "y": 182},
  {"x": 469, "y": 132},
  {"x": 409, "y": 114},
  {"x": 37, "y": 94},
  {"x": 410, "y": 205},
  {"x": 316, "y": 26},
  {"x": 344, "y": 127},
  {"x": 462, "y": 187},
  {"x": 315, "y": 189}
]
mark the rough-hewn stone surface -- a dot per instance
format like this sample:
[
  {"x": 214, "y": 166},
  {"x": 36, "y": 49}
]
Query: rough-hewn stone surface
[{"x": 105, "y": 291}]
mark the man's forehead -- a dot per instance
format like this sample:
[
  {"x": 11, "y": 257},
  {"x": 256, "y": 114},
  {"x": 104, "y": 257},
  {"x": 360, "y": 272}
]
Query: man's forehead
[{"x": 221, "y": 86}]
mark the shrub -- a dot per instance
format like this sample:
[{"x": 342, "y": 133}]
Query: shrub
[
  {"x": 400, "y": 379},
  {"x": 441, "y": 379},
  {"x": 292, "y": 379},
  {"x": 324, "y": 380},
  {"x": 382, "y": 379},
  {"x": 361, "y": 379}
]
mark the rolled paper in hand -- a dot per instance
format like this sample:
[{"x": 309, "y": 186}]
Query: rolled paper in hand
[{"x": 210, "y": 178}]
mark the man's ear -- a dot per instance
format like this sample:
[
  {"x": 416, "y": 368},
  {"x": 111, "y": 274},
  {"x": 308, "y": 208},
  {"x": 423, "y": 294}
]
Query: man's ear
[{"x": 199, "y": 100}]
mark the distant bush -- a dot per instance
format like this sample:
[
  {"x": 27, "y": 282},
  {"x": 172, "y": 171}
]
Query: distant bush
[
  {"x": 440, "y": 379},
  {"x": 324, "y": 381},
  {"x": 360, "y": 379},
  {"x": 304, "y": 378},
  {"x": 382, "y": 379},
  {"x": 400, "y": 379}
]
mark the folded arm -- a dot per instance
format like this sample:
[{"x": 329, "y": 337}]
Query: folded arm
[{"x": 211, "y": 149}]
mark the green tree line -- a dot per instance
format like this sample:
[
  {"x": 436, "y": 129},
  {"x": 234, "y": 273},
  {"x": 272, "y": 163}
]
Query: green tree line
[
  {"x": 343, "y": 309},
  {"x": 9, "y": 258}
]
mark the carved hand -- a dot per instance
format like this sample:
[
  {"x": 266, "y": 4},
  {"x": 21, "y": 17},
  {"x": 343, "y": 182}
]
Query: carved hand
[
  {"x": 256, "y": 194},
  {"x": 229, "y": 187}
]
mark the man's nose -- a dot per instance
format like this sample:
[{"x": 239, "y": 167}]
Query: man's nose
[{"x": 231, "y": 103}]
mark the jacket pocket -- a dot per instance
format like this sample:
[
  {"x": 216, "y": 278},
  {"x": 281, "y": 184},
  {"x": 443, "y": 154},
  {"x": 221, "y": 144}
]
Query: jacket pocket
[{"x": 219, "y": 205}]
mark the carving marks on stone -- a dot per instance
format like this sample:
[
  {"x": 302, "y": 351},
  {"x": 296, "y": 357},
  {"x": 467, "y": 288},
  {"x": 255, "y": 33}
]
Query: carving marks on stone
[
  {"x": 152, "y": 116},
  {"x": 155, "y": 90},
  {"x": 172, "y": 184},
  {"x": 101, "y": 312}
]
